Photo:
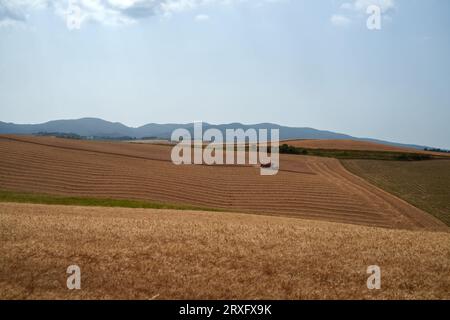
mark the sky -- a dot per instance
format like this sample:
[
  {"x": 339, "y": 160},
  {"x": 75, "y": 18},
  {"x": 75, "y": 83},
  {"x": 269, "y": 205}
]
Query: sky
[{"x": 302, "y": 63}]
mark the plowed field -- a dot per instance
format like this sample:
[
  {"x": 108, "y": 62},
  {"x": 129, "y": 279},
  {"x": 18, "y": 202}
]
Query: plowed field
[{"x": 305, "y": 187}]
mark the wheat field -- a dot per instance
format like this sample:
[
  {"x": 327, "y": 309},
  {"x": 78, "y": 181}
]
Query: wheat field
[
  {"x": 309, "y": 232},
  {"x": 164, "y": 254}
]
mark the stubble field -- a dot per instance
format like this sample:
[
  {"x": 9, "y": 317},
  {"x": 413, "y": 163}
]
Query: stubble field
[{"x": 306, "y": 187}]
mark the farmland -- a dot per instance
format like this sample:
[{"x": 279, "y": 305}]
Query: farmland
[
  {"x": 306, "y": 187},
  {"x": 425, "y": 184},
  {"x": 356, "y": 146},
  {"x": 166, "y": 254},
  {"x": 141, "y": 227},
  {"x": 345, "y": 145},
  {"x": 359, "y": 154}
]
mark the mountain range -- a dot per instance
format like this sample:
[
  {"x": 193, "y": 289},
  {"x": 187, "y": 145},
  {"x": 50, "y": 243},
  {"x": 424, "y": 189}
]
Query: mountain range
[{"x": 94, "y": 127}]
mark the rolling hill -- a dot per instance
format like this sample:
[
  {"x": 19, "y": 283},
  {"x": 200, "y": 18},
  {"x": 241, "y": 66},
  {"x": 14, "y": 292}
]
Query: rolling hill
[
  {"x": 102, "y": 128},
  {"x": 306, "y": 186}
]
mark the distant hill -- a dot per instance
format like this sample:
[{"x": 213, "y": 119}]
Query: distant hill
[{"x": 93, "y": 127}]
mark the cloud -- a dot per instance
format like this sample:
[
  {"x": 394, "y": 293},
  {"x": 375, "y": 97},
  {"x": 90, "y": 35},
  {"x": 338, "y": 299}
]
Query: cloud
[
  {"x": 201, "y": 17},
  {"x": 14, "y": 12},
  {"x": 349, "y": 11},
  {"x": 108, "y": 12},
  {"x": 340, "y": 20},
  {"x": 362, "y": 5}
]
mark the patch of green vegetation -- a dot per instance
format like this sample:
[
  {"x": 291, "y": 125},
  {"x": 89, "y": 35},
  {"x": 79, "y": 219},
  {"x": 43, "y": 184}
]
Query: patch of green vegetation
[
  {"x": 355, "y": 154},
  {"x": 287, "y": 149},
  {"x": 424, "y": 184},
  {"x": 60, "y": 135},
  {"x": 9, "y": 196}
]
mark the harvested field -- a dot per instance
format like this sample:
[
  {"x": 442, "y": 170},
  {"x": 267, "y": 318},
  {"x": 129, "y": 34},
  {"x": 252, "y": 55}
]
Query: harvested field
[
  {"x": 425, "y": 184},
  {"x": 164, "y": 254},
  {"x": 354, "y": 145},
  {"x": 306, "y": 187}
]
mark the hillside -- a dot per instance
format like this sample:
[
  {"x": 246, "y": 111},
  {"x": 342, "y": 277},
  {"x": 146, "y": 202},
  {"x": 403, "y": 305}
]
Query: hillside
[
  {"x": 305, "y": 187},
  {"x": 425, "y": 184},
  {"x": 346, "y": 145},
  {"x": 90, "y": 127},
  {"x": 358, "y": 145}
]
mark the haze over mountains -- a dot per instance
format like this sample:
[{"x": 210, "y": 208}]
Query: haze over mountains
[{"x": 94, "y": 127}]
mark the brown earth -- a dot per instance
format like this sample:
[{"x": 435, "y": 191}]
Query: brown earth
[
  {"x": 164, "y": 254},
  {"x": 306, "y": 187},
  {"x": 354, "y": 145}
]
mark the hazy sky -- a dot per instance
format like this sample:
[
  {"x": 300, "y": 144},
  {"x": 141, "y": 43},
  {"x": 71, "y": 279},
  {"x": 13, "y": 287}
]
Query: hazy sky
[{"x": 293, "y": 62}]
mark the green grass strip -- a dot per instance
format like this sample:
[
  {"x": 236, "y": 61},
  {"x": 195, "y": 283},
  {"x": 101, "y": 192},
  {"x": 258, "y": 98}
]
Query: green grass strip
[{"x": 20, "y": 197}]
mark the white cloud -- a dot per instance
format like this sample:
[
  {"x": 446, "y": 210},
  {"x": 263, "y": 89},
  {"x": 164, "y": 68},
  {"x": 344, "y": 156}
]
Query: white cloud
[
  {"x": 14, "y": 12},
  {"x": 109, "y": 12},
  {"x": 201, "y": 17},
  {"x": 362, "y": 5},
  {"x": 340, "y": 20}
]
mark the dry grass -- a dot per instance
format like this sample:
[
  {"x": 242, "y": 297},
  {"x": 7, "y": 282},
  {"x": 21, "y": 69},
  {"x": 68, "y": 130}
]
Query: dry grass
[
  {"x": 306, "y": 187},
  {"x": 146, "y": 253},
  {"x": 425, "y": 184}
]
